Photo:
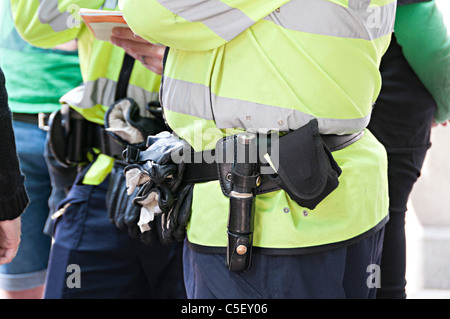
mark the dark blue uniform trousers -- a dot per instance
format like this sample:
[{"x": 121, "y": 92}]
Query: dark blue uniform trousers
[
  {"x": 347, "y": 272},
  {"x": 92, "y": 258}
]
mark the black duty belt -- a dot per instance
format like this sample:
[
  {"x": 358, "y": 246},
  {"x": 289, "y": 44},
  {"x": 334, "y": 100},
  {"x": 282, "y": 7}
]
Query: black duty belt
[
  {"x": 40, "y": 119},
  {"x": 107, "y": 144},
  {"x": 200, "y": 172}
]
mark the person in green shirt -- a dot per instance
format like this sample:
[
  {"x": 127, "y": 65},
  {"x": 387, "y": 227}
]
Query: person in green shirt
[{"x": 36, "y": 79}]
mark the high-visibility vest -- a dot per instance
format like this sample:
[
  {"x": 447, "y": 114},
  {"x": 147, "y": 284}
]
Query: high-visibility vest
[
  {"x": 276, "y": 64},
  {"x": 47, "y": 23}
]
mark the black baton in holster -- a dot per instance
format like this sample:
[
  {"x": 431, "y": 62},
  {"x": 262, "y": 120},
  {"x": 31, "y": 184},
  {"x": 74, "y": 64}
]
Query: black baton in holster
[{"x": 244, "y": 178}]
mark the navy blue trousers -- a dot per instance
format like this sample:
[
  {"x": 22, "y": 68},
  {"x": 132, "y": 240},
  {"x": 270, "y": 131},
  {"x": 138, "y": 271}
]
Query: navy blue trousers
[
  {"x": 347, "y": 272},
  {"x": 91, "y": 258}
]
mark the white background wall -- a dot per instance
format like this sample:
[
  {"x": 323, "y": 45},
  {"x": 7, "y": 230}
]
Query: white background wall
[
  {"x": 428, "y": 223},
  {"x": 444, "y": 6}
]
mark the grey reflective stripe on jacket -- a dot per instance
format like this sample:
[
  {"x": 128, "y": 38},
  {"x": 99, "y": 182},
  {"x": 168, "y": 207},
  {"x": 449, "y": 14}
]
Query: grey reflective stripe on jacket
[
  {"x": 110, "y": 4},
  {"x": 102, "y": 92},
  {"x": 48, "y": 13},
  {"x": 227, "y": 22},
  {"x": 361, "y": 21},
  {"x": 192, "y": 99}
]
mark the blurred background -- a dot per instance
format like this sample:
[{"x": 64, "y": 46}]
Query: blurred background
[{"x": 444, "y": 6}]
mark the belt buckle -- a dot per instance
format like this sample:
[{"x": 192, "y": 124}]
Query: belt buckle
[{"x": 41, "y": 122}]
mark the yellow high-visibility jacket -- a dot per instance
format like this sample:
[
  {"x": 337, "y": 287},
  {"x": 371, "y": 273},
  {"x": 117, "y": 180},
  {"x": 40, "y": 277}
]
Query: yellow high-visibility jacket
[{"x": 235, "y": 65}]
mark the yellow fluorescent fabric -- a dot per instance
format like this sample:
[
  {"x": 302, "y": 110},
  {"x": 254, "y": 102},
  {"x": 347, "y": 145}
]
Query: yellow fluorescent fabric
[{"x": 230, "y": 18}]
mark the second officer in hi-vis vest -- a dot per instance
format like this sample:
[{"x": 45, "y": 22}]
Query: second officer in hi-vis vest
[{"x": 88, "y": 132}]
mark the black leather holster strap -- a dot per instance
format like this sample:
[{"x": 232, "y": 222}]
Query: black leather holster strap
[
  {"x": 92, "y": 135},
  {"x": 72, "y": 137},
  {"x": 107, "y": 144}
]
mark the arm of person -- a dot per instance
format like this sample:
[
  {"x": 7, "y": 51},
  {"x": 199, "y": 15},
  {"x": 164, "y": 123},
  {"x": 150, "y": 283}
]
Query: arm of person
[
  {"x": 48, "y": 23},
  {"x": 420, "y": 30},
  {"x": 9, "y": 239},
  {"x": 194, "y": 25},
  {"x": 149, "y": 54},
  {"x": 13, "y": 196}
]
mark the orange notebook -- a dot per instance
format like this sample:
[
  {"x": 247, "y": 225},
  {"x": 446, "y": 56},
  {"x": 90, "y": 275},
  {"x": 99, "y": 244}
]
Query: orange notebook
[{"x": 101, "y": 22}]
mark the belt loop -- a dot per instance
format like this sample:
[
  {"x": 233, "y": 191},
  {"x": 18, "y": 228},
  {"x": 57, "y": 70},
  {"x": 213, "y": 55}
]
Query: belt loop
[{"x": 42, "y": 117}]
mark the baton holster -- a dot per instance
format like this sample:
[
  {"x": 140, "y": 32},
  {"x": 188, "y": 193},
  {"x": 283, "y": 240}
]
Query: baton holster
[{"x": 244, "y": 179}]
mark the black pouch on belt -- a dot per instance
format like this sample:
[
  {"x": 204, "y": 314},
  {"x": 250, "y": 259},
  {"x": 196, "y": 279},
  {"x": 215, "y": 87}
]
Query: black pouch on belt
[{"x": 305, "y": 168}]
